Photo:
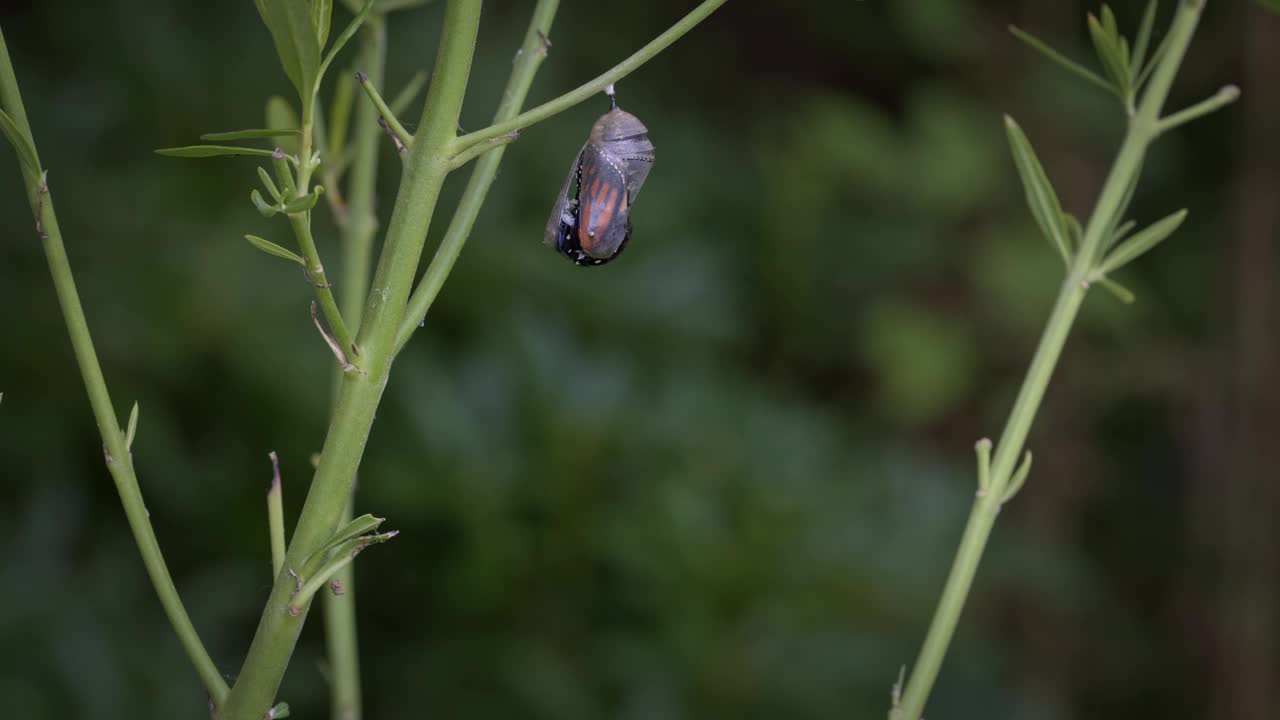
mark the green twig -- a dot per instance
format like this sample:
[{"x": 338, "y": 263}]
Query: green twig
[
  {"x": 115, "y": 448},
  {"x": 1223, "y": 97},
  {"x": 475, "y": 151},
  {"x": 586, "y": 90},
  {"x": 314, "y": 272},
  {"x": 1142, "y": 131},
  {"x": 403, "y": 137}
]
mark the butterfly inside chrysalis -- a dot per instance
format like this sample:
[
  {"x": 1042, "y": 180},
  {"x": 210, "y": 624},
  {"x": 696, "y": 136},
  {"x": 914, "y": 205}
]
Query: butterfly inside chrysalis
[{"x": 591, "y": 220}]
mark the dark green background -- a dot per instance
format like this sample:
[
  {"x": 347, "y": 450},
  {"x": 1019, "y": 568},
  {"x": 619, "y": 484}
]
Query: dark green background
[{"x": 722, "y": 477}]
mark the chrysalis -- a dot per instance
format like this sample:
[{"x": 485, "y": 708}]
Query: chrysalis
[{"x": 591, "y": 220}]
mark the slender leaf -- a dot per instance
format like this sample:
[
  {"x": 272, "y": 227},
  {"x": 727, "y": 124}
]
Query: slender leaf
[
  {"x": 271, "y": 248},
  {"x": 1143, "y": 39},
  {"x": 1061, "y": 60},
  {"x": 1142, "y": 241},
  {"x": 1041, "y": 198},
  {"x": 265, "y": 177},
  {"x": 264, "y": 208},
  {"x": 358, "y": 526},
  {"x": 254, "y": 134},
  {"x": 1122, "y": 293},
  {"x": 1109, "y": 55},
  {"x": 203, "y": 151},
  {"x": 22, "y": 145}
]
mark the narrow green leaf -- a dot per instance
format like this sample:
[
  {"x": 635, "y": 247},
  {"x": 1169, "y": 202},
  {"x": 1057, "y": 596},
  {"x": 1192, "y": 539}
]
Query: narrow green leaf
[
  {"x": 1121, "y": 292},
  {"x": 1143, "y": 39},
  {"x": 203, "y": 151},
  {"x": 132, "y": 428},
  {"x": 341, "y": 42},
  {"x": 255, "y": 134},
  {"x": 304, "y": 203},
  {"x": 358, "y": 526},
  {"x": 265, "y": 209},
  {"x": 1142, "y": 241},
  {"x": 405, "y": 97},
  {"x": 1109, "y": 23},
  {"x": 280, "y": 114},
  {"x": 1041, "y": 199},
  {"x": 1061, "y": 60},
  {"x": 22, "y": 145},
  {"x": 1109, "y": 55},
  {"x": 271, "y": 248},
  {"x": 321, "y": 15},
  {"x": 265, "y": 177}
]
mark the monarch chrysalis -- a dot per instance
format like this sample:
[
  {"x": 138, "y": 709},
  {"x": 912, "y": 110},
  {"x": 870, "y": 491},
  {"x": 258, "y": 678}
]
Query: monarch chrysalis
[{"x": 591, "y": 220}]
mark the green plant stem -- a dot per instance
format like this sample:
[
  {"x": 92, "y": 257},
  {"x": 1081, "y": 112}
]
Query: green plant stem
[
  {"x": 119, "y": 459},
  {"x": 315, "y": 274},
  {"x": 532, "y": 53},
  {"x": 1142, "y": 130},
  {"x": 586, "y": 90},
  {"x": 423, "y": 175},
  {"x": 358, "y": 227}
]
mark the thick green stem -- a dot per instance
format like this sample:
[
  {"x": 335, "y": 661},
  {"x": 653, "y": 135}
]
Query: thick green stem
[
  {"x": 115, "y": 449},
  {"x": 586, "y": 90},
  {"x": 358, "y": 228},
  {"x": 532, "y": 53},
  {"x": 1128, "y": 163},
  {"x": 358, "y": 399}
]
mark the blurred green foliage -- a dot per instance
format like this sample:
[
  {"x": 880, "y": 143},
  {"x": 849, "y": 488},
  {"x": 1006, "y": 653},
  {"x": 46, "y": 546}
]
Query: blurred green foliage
[{"x": 720, "y": 478}]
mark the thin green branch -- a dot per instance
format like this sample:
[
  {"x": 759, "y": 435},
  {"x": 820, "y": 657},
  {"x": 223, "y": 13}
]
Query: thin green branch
[
  {"x": 475, "y": 151},
  {"x": 1220, "y": 99},
  {"x": 585, "y": 91},
  {"x": 1142, "y": 130},
  {"x": 404, "y": 137},
  {"x": 115, "y": 447},
  {"x": 532, "y": 52}
]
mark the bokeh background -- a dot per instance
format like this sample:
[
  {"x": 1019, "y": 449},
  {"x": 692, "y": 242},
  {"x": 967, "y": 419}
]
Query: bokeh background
[{"x": 722, "y": 477}]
